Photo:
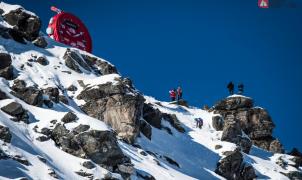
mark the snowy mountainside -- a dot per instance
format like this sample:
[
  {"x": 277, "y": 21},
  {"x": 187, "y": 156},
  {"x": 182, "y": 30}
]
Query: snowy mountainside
[{"x": 67, "y": 114}]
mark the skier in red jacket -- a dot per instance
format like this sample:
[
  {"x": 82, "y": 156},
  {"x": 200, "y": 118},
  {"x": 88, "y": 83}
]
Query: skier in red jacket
[{"x": 172, "y": 94}]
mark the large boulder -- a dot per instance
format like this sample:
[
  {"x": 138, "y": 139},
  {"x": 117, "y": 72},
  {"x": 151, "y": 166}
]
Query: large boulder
[
  {"x": 74, "y": 61},
  {"x": 40, "y": 42},
  {"x": 5, "y": 134},
  {"x": 3, "y": 95},
  {"x": 232, "y": 167},
  {"x": 53, "y": 94},
  {"x": 99, "y": 146},
  {"x": 69, "y": 117},
  {"x": 31, "y": 95},
  {"x": 25, "y": 23},
  {"x": 117, "y": 105},
  {"x": 16, "y": 110},
  {"x": 6, "y": 69}
]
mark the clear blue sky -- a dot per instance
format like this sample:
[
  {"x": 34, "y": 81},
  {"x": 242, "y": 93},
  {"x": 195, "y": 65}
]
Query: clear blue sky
[{"x": 201, "y": 45}]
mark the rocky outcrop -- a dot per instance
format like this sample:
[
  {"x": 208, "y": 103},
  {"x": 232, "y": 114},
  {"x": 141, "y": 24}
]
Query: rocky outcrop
[
  {"x": 40, "y": 42},
  {"x": 5, "y": 134},
  {"x": 99, "y": 146},
  {"x": 117, "y": 105},
  {"x": 154, "y": 117},
  {"x": 69, "y": 117},
  {"x": 53, "y": 94},
  {"x": 297, "y": 157},
  {"x": 31, "y": 95},
  {"x": 74, "y": 61},
  {"x": 26, "y": 24},
  {"x": 6, "y": 69},
  {"x": 255, "y": 122},
  {"x": 100, "y": 66},
  {"x": 146, "y": 129},
  {"x": 232, "y": 167},
  {"x": 16, "y": 110},
  {"x": 43, "y": 61},
  {"x": 3, "y": 95}
]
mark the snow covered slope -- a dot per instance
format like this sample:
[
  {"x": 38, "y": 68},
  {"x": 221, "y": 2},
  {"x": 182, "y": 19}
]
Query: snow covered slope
[{"x": 177, "y": 149}]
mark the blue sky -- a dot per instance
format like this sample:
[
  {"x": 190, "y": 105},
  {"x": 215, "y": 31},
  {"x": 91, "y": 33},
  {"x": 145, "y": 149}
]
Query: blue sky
[{"x": 201, "y": 45}]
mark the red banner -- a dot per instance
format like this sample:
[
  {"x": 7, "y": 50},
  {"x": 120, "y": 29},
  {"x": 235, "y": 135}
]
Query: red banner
[{"x": 263, "y": 3}]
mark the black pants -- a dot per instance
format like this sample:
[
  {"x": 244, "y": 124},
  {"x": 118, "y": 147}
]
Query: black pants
[
  {"x": 173, "y": 98},
  {"x": 179, "y": 96}
]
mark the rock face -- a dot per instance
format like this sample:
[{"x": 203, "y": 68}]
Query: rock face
[
  {"x": 99, "y": 146},
  {"x": 69, "y": 117},
  {"x": 6, "y": 69},
  {"x": 154, "y": 117},
  {"x": 3, "y": 95},
  {"x": 217, "y": 123},
  {"x": 31, "y": 95},
  {"x": 117, "y": 105},
  {"x": 231, "y": 167},
  {"x": 16, "y": 110},
  {"x": 253, "y": 121},
  {"x": 5, "y": 134},
  {"x": 26, "y": 24},
  {"x": 40, "y": 42},
  {"x": 146, "y": 129},
  {"x": 102, "y": 67},
  {"x": 233, "y": 133}
]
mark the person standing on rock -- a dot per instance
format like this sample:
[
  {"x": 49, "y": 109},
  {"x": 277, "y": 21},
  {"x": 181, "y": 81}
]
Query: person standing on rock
[
  {"x": 179, "y": 93},
  {"x": 172, "y": 94},
  {"x": 231, "y": 88},
  {"x": 240, "y": 88}
]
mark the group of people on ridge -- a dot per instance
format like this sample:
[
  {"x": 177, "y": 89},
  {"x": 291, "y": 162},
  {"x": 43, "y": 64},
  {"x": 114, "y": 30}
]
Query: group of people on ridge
[
  {"x": 176, "y": 94},
  {"x": 231, "y": 86}
]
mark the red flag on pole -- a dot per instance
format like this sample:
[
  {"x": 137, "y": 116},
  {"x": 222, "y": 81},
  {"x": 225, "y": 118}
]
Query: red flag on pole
[{"x": 263, "y": 3}]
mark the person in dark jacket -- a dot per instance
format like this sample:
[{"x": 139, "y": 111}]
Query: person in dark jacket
[
  {"x": 240, "y": 88},
  {"x": 179, "y": 93},
  {"x": 231, "y": 88}
]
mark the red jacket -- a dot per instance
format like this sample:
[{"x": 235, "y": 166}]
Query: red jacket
[{"x": 172, "y": 93}]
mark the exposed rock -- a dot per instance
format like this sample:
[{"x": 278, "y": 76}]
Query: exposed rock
[
  {"x": 173, "y": 120},
  {"x": 3, "y": 155},
  {"x": 69, "y": 117},
  {"x": 217, "y": 123},
  {"x": 233, "y": 103},
  {"x": 106, "y": 68},
  {"x": 5, "y": 60},
  {"x": 180, "y": 102},
  {"x": 16, "y": 35},
  {"x": 99, "y": 146},
  {"x": 5, "y": 134},
  {"x": 84, "y": 174},
  {"x": 7, "y": 73},
  {"x": 276, "y": 146},
  {"x": 229, "y": 167},
  {"x": 81, "y": 128},
  {"x": 294, "y": 175},
  {"x": 146, "y": 129},
  {"x": 31, "y": 95},
  {"x": 53, "y": 174},
  {"x": 63, "y": 99},
  {"x": 144, "y": 175},
  {"x": 42, "y": 60},
  {"x": 126, "y": 169},
  {"x": 231, "y": 131},
  {"x": 74, "y": 61},
  {"x": 248, "y": 173},
  {"x": 112, "y": 104},
  {"x": 16, "y": 110},
  {"x": 255, "y": 122},
  {"x": 218, "y": 147},
  {"x": 298, "y": 157},
  {"x": 48, "y": 103},
  {"x": 42, "y": 138},
  {"x": 72, "y": 88},
  {"x": 152, "y": 116},
  {"x": 3, "y": 95},
  {"x": 21, "y": 160},
  {"x": 88, "y": 165},
  {"x": 40, "y": 42},
  {"x": 245, "y": 144},
  {"x": 26, "y": 24},
  {"x": 232, "y": 167},
  {"x": 47, "y": 132},
  {"x": 171, "y": 161},
  {"x": 42, "y": 159}
]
